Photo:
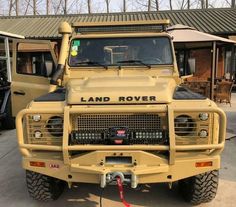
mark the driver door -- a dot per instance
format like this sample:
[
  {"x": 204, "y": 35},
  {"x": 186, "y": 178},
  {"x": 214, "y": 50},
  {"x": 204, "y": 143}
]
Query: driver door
[{"x": 30, "y": 71}]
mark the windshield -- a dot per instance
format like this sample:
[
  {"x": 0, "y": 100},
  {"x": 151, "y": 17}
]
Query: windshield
[{"x": 145, "y": 51}]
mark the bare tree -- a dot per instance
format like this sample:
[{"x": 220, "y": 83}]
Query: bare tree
[
  {"x": 75, "y": 6},
  {"x": 188, "y": 4},
  {"x": 203, "y": 5},
  {"x": 182, "y": 5},
  {"x": 13, "y": 5},
  {"x": 107, "y": 5},
  {"x": 47, "y": 7},
  {"x": 25, "y": 7},
  {"x": 232, "y": 3},
  {"x": 157, "y": 4},
  {"x": 124, "y": 5},
  {"x": 34, "y": 7},
  {"x": 89, "y": 6},
  {"x": 149, "y": 5},
  {"x": 65, "y": 7},
  {"x": 170, "y": 3},
  {"x": 17, "y": 7}
]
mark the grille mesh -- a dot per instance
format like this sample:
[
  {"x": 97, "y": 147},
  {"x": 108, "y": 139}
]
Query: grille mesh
[
  {"x": 44, "y": 126},
  {"x": 102, "y": 122}
]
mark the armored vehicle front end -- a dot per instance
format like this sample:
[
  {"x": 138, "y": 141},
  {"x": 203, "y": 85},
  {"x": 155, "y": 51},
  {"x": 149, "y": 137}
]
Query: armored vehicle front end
[{"x": 116, "y": 109}]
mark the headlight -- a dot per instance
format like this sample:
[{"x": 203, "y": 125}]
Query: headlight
[
  {"x": 38, "y": 134},
  {"x": 203, "y": 133},
  {"x": 203, "y": 116},
  {"x": 55, "y": 126},
  {"x": 184, "y": 125},
  {"x": 36, "y": 117}
]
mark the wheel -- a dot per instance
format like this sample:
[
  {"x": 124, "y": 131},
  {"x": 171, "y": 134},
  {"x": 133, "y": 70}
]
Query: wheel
[
  {"x": 42, "y": 187},
  {"x": 200, "y": 188},
  {"x": 9, "y": 120}
]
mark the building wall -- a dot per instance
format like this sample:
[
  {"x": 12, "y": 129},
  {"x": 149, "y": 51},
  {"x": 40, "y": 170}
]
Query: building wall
[{"x": 203, "y": 59}]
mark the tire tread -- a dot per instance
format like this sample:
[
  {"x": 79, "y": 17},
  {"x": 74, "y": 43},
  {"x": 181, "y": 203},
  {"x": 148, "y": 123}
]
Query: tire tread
[
  {"x": 201, "y": 188},
  {"x": 42, "y": 187}
]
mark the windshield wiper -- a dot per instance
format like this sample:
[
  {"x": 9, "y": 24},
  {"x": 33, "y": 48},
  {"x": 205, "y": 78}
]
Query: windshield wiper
[
  {"x": 135, "y": 61},
  {"x": 92, "y": 63}
]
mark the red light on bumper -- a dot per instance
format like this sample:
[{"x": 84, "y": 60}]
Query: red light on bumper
[
  {"x": 204, "y": 164},
  {"x": 37, "y": 164},
  {"x": 118, "y": 141}
]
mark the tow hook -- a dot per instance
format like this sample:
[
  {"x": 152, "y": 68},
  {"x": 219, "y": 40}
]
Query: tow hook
[
  {"x": 110, "y": 179},
  {"x": 118, "y": 178}
]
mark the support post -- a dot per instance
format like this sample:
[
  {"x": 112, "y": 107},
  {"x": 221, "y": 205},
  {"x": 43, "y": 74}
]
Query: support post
[
  {"x": 213, "y": 69},
  {"x": 232, "y": 63}
]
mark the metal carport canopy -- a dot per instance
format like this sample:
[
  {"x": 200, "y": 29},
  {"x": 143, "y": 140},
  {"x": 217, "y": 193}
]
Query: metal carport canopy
[
  {"x": 187, "y": 35},
  {"x": 8, "y": 34},
  {"x": 182, "y": 33}
]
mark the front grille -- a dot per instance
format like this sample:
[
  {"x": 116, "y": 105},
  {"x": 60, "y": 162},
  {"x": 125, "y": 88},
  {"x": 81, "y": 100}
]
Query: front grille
[
  {"x": 51, "y": 133},
  {"x": 100, "y": 128},
  {"x": 102, "y": 122},
  {"x": 188, "y": 129}
]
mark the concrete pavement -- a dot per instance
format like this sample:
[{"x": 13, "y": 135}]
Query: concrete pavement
[{"x": 13, "y": 192}]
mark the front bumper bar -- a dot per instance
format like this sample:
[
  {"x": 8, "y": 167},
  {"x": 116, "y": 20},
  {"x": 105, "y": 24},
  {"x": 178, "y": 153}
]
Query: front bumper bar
[{"x": 172, "y": 147}]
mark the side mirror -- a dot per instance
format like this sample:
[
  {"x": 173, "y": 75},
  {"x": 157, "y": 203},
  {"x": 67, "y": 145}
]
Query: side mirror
[
  {"x": 48, "y": 67},
  {"x": 185, "y": 77}
]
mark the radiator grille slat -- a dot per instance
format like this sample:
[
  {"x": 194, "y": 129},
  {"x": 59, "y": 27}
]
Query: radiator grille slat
[
  {"x": 43, "y": 126},
  {"x": 102, "y": 129},
  {"x": 102, "y": 122}
]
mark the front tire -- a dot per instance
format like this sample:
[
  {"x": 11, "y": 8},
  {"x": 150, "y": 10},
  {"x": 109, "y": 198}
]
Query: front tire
[
  {"x": 42, "y": 187},
  {"x": 200, "y": 188}
]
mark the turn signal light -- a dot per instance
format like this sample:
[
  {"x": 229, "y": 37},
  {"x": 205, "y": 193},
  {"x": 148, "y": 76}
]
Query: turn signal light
[
  {"x": 204, "y": 164},
  {"x": 37, "y": 164}
]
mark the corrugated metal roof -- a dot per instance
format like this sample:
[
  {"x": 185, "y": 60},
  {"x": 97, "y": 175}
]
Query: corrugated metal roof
[{"x": 214, "y": 21}]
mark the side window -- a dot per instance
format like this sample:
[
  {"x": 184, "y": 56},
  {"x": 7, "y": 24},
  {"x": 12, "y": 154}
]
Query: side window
[
  {"x": 34, "y": 59},
  {"x": 3, "y": 63}
]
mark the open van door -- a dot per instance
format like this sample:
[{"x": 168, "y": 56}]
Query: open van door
[{"x": 34, "y": 61}]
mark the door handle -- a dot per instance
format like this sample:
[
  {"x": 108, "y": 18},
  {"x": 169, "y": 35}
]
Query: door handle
[{"x": 21, "y": 93}]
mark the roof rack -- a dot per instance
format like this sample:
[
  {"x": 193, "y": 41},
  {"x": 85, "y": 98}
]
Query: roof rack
[{"x": 121, "y": 26}]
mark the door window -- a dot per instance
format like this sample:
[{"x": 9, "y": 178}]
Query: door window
[
  {"x": 3, "y": 62},
  {"x": 32, "y": 59}
]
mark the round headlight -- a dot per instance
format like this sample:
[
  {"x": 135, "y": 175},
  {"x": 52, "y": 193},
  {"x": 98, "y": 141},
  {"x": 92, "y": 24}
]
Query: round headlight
[
  {"x": 203, "y": 133},
  {"x": 184, "y": 125},
  {"x": 36, "y": 117},
  {"x": 55, "y": 126},
  {"x": 203, "y": 116},
  {"x": 38, "y": 134}
]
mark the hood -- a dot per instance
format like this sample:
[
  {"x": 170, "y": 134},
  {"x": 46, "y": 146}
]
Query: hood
[{"x": 120, "y": 90}]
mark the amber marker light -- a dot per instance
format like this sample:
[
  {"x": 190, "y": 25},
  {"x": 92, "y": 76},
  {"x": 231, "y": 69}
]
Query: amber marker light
[
  {"x": 37, "y": 164},
  {"x": 204, "y": 164}
]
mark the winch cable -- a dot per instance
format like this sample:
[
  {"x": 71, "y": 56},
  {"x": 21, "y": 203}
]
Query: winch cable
[
  {"x": 101, "y": 195},
  {"x": 102, "y": 190},
  {"x": 121, "y": 192},
  {"x": 232, "y": 137}
]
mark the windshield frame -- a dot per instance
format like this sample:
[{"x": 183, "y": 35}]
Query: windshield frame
[{"x": 121, "y": 36}]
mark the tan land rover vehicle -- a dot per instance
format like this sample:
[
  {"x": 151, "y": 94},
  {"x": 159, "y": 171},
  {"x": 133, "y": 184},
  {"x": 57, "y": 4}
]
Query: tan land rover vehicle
[{"x": 114, "y": 108}]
